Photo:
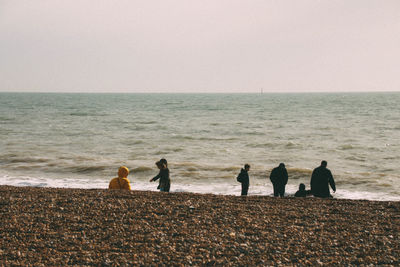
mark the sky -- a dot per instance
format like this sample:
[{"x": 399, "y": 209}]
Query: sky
[{"x": 199, "y": 46}]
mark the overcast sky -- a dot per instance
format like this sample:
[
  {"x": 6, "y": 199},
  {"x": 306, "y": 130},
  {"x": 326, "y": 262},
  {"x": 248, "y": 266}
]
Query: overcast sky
[{"x": 199, "y": 46}]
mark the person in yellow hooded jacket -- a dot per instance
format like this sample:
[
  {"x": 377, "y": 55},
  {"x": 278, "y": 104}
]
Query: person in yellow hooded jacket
[{"x": 121, "y": 182}]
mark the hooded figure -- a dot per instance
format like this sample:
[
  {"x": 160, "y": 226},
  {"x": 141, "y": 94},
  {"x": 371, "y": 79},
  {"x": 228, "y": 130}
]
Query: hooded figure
[
  {"x": 321, "y": 179},
  {"x": 279, "y": 179},
  {"x": 121, "y": 182},
  {"x": 243, "y": 178}
]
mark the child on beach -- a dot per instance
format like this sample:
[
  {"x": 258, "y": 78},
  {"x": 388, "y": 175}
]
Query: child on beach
[
  {"x": 302, "y": 192},
  {"x": 163, "y": 175},
  {"x": 121, "y": 182}
]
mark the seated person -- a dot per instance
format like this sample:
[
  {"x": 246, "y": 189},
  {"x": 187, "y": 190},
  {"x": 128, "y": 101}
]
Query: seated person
[
  {"x": 302, "y": 191},
  {"x": 121, "y": 182}
]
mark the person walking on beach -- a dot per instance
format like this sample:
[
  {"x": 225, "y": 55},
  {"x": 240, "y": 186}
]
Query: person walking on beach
[
  {"x": 165, "y": 182},
  {"x": 279, "y": 178},
  {"x": 121, "y": 182},
  {"x": 321, "y": 178},
  {"x": 243, "y": 178}
]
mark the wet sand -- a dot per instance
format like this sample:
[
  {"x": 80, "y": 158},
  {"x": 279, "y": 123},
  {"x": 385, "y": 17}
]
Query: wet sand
[{"x": 100, "y": 227}]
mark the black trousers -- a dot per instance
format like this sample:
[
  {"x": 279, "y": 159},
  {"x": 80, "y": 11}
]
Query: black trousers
[
  {"x": 279, "y": 190},
  {"x": 245, "y": 189}
]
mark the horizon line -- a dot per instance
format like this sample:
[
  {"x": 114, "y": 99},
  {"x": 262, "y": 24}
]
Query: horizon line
[{"x": 203, "y": 92}]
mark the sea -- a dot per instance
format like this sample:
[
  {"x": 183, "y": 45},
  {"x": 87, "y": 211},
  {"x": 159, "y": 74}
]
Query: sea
[{"x": 79, "y": 140}]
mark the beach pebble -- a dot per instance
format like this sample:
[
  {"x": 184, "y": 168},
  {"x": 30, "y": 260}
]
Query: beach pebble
[{"x": 57, "y": 227}]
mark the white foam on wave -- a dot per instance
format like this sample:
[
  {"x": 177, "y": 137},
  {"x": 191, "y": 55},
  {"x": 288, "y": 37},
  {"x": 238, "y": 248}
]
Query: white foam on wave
[
  {"x": 56, "y": 183},
  {"x": 220, "y": 187},
  {"x": 363, "y": 195}
]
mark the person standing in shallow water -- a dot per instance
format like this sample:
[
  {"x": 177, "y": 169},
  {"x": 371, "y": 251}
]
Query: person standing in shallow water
[
  {"x": 243, "y": 178},
  {"x": 321, "y": 178},
  {"x": 165, "y": 182},
  {"x": 279, "y": 178},
  {"x": 121, "y": 182}
]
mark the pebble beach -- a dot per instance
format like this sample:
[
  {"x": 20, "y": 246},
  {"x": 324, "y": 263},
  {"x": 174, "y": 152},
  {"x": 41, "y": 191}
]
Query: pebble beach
[{"x": 94, "y": 227}]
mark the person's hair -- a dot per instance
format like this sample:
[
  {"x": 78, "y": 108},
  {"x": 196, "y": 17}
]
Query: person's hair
[
  {"x": 159, "y": 163},
  {"x": 324, "y": 163},
  {"x": 246, "y": 166},
  {"x": 164, "y": 161},
  {"x": 282, "y": 165},
  {"x": 302, "y": 187}
]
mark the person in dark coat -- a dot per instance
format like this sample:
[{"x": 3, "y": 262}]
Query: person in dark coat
[
  {"x": 279, "y": 178},
  {"x": 302, "y": 192},
  {"x": 165, "y": 182},
  {"x": 243, "y": 178},
  {"x": 321, "y": 178}
]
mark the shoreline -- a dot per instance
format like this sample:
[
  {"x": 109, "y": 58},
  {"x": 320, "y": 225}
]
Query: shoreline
[
  {"x": 63, "y": 226},
  {"x": 356, "y": 195}
]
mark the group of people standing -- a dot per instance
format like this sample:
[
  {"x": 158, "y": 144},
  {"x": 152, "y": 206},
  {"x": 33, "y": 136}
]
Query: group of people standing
[{"x": 321, "y": 179}]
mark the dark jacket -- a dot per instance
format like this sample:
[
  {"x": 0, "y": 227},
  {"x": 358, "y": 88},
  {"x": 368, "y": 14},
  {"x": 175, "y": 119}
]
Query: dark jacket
[
  {"x": 302, "y": 193},
  {"x": 321, "y": 178},
  {"x": 243, "y": 177},
  {"x": 163, "y": 175},
  {"x": 279, "y": 176}
]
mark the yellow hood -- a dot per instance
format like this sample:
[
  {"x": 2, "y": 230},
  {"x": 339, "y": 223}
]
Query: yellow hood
[{"x": 123, "y": 172}]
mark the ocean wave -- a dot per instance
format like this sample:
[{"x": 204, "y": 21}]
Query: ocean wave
[
  {"x": 257, "y": 145},
  {"x": 177, "y": 149},
  {"x": 33, "y": 184},
  {"x": 61, "y": 167},
  {"x": 301, "y": 171},
  {"x": 217, "y": 138},
  {"x": 386, "y": 185},
  {"x": 80, "y": 114},
  {"x": 132, "y": 142},
  {"x": 354, "y": 158},
  {"x": 187, "y": 164},
  {"x": 6, "y": 132},
  {"x": 134, "y": 127},
  {"x": 229, "y": 169},
  {"x": 353, "y": 182},
  {"x": 347, "y": 147},
  {"x": 292, "y": 145},
  {"x": 13, "y": 159},
  {"x": 202, "y": 138},
  {"x": 86, "y": 169},
  {"x": 76, "y": 158},
  {"x": 228, "y": 172},
  {"x": 6, "y": 120},
  {"x": 142, "y": 169},
  {"x": 204, "y": 168},
  {"x": 147, "y": 122},
  {"x": 2, "y": 118},
  {"x": 183, "y": 137},
  {"x": 255, "y": 133},
  {"x": 189, "y": 174},
  {"x": 90, "y": 113}
]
